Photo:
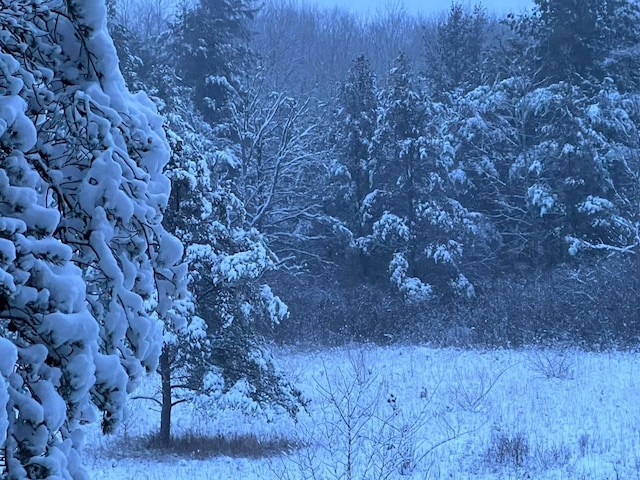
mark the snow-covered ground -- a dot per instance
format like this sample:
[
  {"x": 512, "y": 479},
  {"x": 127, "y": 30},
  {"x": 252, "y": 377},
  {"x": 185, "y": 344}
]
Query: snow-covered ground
[{"x": 415, "y": 413}]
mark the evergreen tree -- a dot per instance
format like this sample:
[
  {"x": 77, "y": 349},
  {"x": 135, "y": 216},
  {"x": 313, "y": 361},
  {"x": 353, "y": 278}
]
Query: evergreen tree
[
  {"x": 609, "y": 215},
  {"x": 418, "y": 230},
  {"x": 213, "y": 54},
  {"x": 356, "y": 123},
  {"x": 84, "y": 257},
  {"x": 455, "y": 60},
  {"x": 540, "y": 161},
  {"x": 573, "y": 39},
  {"x": 223, "y": 348},
  {"x": 221, "y": 352}
]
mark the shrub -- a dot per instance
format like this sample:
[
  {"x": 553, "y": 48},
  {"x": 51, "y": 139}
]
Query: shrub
[{"x": 508, "y": 449}]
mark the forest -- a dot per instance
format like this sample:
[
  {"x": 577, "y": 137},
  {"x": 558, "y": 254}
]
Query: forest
[
  {"x": 459, "y": 178},
  {"x": 185, "y": 187}
]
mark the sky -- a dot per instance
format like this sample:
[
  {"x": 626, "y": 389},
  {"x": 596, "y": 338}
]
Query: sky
[{"x": 428, "y": 7}]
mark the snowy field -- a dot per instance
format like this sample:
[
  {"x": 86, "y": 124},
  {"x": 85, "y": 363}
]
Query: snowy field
[{"x": 414, "y": 413}]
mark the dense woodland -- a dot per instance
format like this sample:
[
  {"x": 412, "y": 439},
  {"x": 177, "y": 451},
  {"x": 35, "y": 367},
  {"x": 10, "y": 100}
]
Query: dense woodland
[{"x": 460, "y": 180}]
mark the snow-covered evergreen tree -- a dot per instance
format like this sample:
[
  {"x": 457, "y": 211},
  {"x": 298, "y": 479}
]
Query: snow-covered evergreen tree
[
  {"x": 355, "y": 128},
  {"x": 418, "y": 228},
  {"x": 222, "y": 349},
  {"x": 84, "y": 258},
  {"x": 608, "y": 214},
  {"x": 221, "y": 352},
  {"x": 549, "y": 150},
  {"x": 573, "y": 40}
]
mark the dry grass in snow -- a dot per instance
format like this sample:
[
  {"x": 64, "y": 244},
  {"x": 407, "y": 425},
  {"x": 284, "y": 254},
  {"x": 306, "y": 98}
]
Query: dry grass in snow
[{"x": 407, "y": 412}]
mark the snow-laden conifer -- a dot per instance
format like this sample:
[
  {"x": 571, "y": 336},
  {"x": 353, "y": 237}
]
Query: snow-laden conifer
[{"x": 84, "y": 258}]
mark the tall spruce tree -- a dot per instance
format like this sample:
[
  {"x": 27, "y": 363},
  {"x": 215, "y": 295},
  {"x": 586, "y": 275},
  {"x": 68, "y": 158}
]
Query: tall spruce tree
[
  {"x": 418, "y": 231},
  {"x": 355, "y": 128}
]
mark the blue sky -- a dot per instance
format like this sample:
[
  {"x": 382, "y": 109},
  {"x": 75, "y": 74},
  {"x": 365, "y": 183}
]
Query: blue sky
[{"x": 423, "y": 6}]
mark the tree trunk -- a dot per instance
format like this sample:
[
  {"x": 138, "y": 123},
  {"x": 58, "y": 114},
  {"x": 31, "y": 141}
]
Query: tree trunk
[{"x": 165, "y": 413}]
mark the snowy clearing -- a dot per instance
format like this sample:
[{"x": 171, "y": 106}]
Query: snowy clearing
[{"x": 415, "y": 413}]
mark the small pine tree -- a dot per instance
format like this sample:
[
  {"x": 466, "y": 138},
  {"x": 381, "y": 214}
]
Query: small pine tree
[{"x": 222, "y": 347}]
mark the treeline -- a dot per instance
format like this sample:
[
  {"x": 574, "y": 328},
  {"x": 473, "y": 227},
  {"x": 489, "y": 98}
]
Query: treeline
[{"x": 458, "y": 179}]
